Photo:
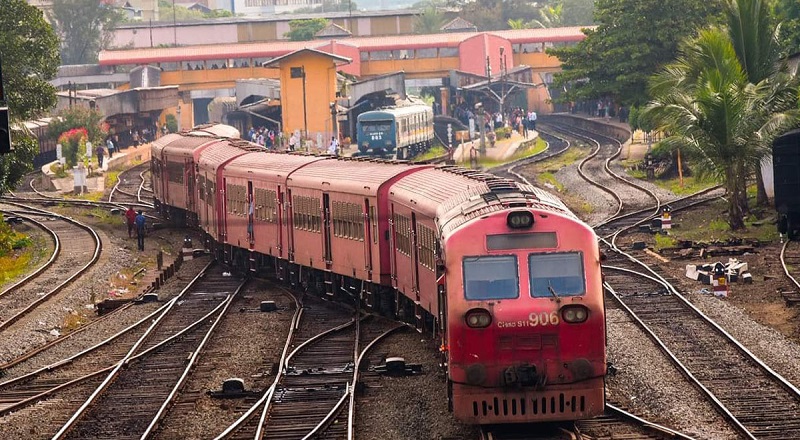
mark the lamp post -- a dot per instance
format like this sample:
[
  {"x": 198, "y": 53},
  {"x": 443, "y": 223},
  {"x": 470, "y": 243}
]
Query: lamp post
[
  {"x": 503, "y": 72},
  {"x": 334, "y": 122},
  {"x": 482, "y": 125}
]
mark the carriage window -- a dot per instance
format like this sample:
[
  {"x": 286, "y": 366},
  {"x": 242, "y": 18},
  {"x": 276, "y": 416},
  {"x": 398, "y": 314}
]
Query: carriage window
[
  {"x": 491, "y": 277},
  {"x": 560, "y": 273}
]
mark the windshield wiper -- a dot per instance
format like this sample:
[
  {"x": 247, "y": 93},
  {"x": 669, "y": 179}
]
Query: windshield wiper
[{"x": 553, "y": 291}]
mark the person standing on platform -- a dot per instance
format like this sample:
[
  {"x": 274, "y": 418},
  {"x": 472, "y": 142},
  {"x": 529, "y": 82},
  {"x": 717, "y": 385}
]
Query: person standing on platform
[
  {"x": 100, "y": 153},
  {"x": 333, "y": 148},
  {"x": 140, "y": 229}
]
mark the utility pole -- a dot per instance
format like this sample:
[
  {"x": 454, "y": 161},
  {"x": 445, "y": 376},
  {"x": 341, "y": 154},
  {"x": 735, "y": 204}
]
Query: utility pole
[{"x": 482, "y": 125}]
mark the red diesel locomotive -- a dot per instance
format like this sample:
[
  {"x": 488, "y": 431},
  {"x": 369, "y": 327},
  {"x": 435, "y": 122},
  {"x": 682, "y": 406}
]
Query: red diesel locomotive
[{"x": 505, "y": 274}]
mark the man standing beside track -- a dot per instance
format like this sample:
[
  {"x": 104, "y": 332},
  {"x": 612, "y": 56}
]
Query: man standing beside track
[
  {"x": 130, "y": 216},
  {"x": 140, "y": 229}
]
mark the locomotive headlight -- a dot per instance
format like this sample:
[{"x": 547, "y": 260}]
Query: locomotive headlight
[
  {"x": 574, "y": 314},
  {"x": 478, "y": 318},
  {"x": 519, "y": 220}
]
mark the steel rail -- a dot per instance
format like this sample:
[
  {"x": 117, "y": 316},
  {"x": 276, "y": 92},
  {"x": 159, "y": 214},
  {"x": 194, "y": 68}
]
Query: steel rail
[
  {"x": 351, "y": 412},
  {"x": 786, "y": 267},
  {"x": 663, "y": 430},
  {"x": 109, "y": 379},
  {"x": 190, "y": 365},
  {"x": 681, "y": 367},
  {"x": 70, "y": 279},
  {"x": 236, "y": 425},
  {"x": 48, "y": 263}
]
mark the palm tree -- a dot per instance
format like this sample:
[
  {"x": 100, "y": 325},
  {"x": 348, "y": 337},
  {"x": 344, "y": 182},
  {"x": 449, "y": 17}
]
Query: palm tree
[
  {"x": 518, "y": 23},
  {"x": 706, "y": 103},
  {"x": 755, "y": 40}
]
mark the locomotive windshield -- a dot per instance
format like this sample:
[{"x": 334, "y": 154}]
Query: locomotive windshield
[
  {"x": 376, "y": 126},
  {"x": 491, "y": 277},
  {"x": 561, "y": 273}
]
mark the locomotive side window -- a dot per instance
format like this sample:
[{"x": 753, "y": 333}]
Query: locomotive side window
[
  {"x": 175, "y": 172},
  {"x": 559, "y": 274},
  {"x": 491, "y": 277}
]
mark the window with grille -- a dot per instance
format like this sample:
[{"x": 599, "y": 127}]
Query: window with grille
[
  {"x": 266, "y": 205},
  {"x": 402, "y": 231},
  {"x": 427, "y": 247}
]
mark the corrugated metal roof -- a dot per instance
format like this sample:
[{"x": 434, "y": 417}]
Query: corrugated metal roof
[
  {"x": 349, "y": 175},
  {"x": 272, "y": 166},
  {"x": 279, "y": 48}
]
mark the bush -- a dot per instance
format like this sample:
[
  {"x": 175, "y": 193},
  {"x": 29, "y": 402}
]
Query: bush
[
  {"x": 172, "y": 123},
  {"x": 73, "y": 145},
  {"x": 502, "y": 132}
]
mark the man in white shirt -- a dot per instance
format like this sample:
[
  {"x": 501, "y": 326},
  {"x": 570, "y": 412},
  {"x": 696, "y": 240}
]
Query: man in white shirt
[
  {"x": 333, "y": 148},
  {"x": 532, "y": 119}
]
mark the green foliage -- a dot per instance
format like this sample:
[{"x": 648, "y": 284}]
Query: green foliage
[
  {"x": 429, "y": 21},
  {"x": 632, "y": 40},
  {"x": 172, "y": 123},
  {"x": 10, "y": 239},
  {"x": 665, "y": 241},
  {"x": 713, "y": 111},
  {"x": 29, "y": 49},
  {"x": 577, "y": 12},
  {"x": 788, "y": 13},
  {"x": 304, "y": 30},
  {"x": 84, "y": 27},
  {"x": 79, "y": 117},
  {"x": 167, "y": 12}
]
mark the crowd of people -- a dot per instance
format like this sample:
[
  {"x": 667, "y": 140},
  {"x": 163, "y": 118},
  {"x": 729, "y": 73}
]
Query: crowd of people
[{"x": 518, "y": 119}]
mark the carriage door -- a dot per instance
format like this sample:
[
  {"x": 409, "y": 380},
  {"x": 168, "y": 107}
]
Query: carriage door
[
  {"x": 280, "y": 220},
  {"x": 367, "y": 232},
  {"x": 414, "y": 255},
  {"x": 251, "y": 211},
  {"x": 393, "y": 247},
  {"x": 326, "y": 228},
  {"x": 289, "y": 225},
  {"x": 188, "y": 177}
]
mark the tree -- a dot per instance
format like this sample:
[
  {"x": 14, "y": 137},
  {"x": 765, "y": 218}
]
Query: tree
[
  {"x": 755, "y": 40},
  {"x": 632, "y": 40},
  {"x": 168, "y": 12},
  {"x": 304, "y": 30},
  {"x": 79, "y": 117},
  {"x": 29, "y": 50},
  {"x": 713, "y": 113},
  {"x": 429, "y": 21},
  {"x": 577, "y": 12},
  {"x": 788, "y": 13},
  {"x": 550, "y": 16},
  {"x": 84, "y": 27}
]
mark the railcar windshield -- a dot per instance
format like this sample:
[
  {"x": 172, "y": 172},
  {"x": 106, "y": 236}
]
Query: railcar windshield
[
  {"x": 559, "y": 274},
  {"x": 491, "y": 277},
  {"x": 376, "y": 126}
]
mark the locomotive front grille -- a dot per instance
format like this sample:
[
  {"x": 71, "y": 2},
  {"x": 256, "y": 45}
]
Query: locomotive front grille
[{"x": 522, "y": 407}]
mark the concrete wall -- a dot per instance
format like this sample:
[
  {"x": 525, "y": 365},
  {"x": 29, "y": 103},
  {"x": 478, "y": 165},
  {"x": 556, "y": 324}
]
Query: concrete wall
[{"x": 621, "y": 133}]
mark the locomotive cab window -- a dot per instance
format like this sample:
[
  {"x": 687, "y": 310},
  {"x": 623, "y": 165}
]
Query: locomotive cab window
[
  {"x": 491, "y": 277},
  {"x": 559, "y": 274}
]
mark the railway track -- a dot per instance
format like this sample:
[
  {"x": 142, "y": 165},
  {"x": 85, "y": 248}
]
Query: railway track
[
  {"x": 76, "y": 249},
  {"x": 148, "y": 377},
  {"x": 130, "y": 186},
  {"x": 790, "y": 261},
  {"x": 758, "y": 402},
  {"x": 621, "y": 423}
]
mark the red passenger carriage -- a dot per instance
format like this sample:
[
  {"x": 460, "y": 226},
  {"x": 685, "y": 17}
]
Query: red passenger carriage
[{"x": 506, "y": 275}]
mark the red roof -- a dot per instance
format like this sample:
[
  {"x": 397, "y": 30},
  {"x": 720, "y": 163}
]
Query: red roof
[{"x": 280, "y": 48}]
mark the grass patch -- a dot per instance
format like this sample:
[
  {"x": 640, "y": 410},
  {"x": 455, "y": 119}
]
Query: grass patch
[
  {"x": 665, "y": 241},
  {"x": 95, "y": 196},
  {"x": 111, "y": 178},
  {"x": 106, "y": 217},
  {"x": 12, "y": 266},
  {"x": 432, "y": 153},
  {"x": 549, "y": 179}
]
